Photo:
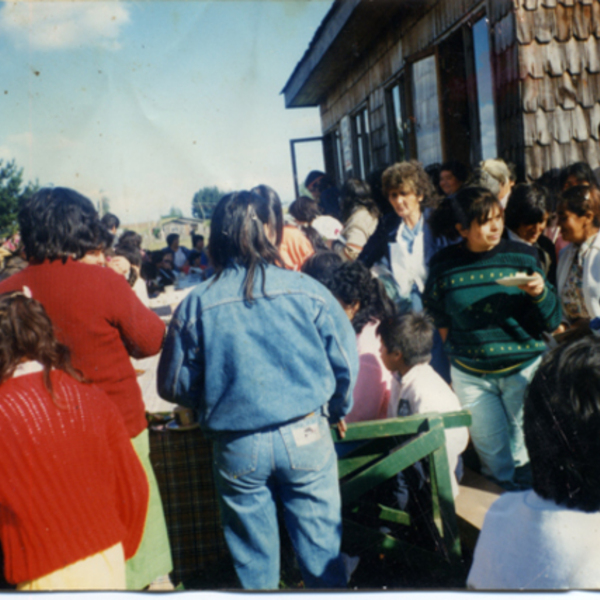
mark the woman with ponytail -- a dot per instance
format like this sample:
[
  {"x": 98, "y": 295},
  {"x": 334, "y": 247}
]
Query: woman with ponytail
[{"x": 266, "y": 356}]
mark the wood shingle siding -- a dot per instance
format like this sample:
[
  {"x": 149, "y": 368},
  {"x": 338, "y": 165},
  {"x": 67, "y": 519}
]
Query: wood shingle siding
[
  {"x": 559, "y": 73},
  {"x": 545, "y": 60}
]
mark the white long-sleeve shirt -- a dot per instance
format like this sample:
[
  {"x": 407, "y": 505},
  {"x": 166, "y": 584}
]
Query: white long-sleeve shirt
[
  {"x": 425, "y": 391},
  {"x": 529, "y": 543}
]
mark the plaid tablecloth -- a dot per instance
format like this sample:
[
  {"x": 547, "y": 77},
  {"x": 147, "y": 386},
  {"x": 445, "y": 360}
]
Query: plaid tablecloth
[{"x": 182, "y": 461}]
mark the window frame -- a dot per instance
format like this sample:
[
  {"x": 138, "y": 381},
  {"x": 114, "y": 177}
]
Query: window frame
[{"x": 362, "y": 158}]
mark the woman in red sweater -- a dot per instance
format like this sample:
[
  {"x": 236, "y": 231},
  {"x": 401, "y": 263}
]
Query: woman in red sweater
[
  {"x": 100, "y": 319},
  {"x": 73, "y": 492}
]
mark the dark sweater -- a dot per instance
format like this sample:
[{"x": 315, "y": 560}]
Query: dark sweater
[{"x": 493, "y": 330}]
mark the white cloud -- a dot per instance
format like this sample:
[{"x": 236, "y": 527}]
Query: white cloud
[{"x": 58, "y": 25}]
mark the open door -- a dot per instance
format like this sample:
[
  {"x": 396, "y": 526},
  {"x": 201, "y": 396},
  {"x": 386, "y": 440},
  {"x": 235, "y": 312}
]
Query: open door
[{"x": 307, "y": 155}]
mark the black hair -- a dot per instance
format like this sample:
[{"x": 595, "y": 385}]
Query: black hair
[
  {"x": 467, "y": 205},
  {"x": 550, "y": 180},
  {"x": 131, "y": 239},
  {"x": 193, "y": 255},
  {"x": 26, "y": 333},
  {"x": 104, "y": 238},
  {"x": 171, "y": 238},
  {"x": 434, "y": 171},
  {"x": 322, "y": 265},
  {"x": 580, "y": 199},
  {"x": 527, "y": 204},
  {"x": 458, "y": 169},
  {"x": 305, "y": 210},
  {"x": 352, "y": 282},
  {"x": 129, "y": 246},
  {"x": 237, "y": 235},
  {"x": 60, "y": 223},
  {"x": 412, "y": 334},
  {"x": 357, "y": 193},
  {"x": 157, "y": 255},
  {"x": 512, "y": 169},
  {"x": 109, "y": 221},
  {"x": 581, "y": 171},
  {"x": 323, "y": 180},
  {"x": 379, "y": 198},
  {"x": 274, "y": 203},
  {"x": 562, "y": 421},
  {"x": 197, "y": 238}
]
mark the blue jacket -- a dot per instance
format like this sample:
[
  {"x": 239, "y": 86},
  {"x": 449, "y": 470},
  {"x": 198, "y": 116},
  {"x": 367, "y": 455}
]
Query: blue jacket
[
  {"x": 246, "y": 366},
  {"x": 378, "y": 245}
]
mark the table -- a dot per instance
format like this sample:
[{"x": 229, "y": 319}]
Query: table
[{"x": 182, "y": 462}]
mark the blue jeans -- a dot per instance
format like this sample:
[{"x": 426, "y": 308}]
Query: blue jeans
[
  {"x": 496, "y": 406},
  {"x": 296, "y": 463}
]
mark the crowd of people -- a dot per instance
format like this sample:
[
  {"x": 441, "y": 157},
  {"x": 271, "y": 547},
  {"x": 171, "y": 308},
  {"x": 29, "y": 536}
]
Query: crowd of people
[{"x": 421, "y": 291}]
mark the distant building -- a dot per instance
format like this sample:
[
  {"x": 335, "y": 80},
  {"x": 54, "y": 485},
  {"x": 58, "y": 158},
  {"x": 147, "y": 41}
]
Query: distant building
[
  {"x": 183, "y": 226},
  {"x": 454, "y": 79}
]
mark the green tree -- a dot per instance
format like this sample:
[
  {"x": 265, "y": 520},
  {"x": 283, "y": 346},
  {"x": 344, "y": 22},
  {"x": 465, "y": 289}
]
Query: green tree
[
  {"x": 12, "y": 193},
  {"x": 173, "y": 212},
  {"x": 204, "y": 202}
]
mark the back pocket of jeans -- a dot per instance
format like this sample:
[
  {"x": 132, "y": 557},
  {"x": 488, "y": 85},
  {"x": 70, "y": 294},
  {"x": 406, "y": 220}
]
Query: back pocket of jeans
[
  {"x": 308, "y": 443},
  {"x": 236, "y": 455}
]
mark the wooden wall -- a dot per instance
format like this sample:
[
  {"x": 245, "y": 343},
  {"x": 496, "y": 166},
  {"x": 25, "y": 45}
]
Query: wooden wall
[
  {"x": 558, "y": 45},
  {"x": 366, "y": 82},
  {"x": 546, "y": 70}
]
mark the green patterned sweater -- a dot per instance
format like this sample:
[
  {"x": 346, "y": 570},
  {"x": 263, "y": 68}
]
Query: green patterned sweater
[{"x": 492, "y": 330}]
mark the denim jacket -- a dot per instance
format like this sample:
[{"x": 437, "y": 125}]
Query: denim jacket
[{"x": 245, "y": 366}]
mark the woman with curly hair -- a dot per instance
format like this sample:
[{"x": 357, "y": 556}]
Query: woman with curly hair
[
  {"x": 403, "y": 243},
  {"x": 366, "y": 304},
  {"x": 98, "y": 317}
]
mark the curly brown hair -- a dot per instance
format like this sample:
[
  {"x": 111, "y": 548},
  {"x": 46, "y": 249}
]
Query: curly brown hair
[
  {"x": 26, "y": 333},
  {"x": 411, "y": 174}
]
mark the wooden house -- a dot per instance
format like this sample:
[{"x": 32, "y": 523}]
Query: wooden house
[{"x": 454, "y": 79}]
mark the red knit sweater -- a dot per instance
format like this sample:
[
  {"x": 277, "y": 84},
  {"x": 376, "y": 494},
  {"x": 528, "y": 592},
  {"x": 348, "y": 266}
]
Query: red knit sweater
[
  {"x": 71, "y": 484},
  {"x": 99, "y": 317}
]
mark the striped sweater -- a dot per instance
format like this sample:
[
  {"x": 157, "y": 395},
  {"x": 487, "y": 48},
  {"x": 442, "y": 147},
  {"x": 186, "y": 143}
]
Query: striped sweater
[{"x": 492, "y": 330}]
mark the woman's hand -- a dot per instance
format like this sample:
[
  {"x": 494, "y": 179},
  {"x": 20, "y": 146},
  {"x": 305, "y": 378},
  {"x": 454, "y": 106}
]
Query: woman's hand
[
  {"x": 535, "y": 287},
  {"x": 342, "y": 428}
]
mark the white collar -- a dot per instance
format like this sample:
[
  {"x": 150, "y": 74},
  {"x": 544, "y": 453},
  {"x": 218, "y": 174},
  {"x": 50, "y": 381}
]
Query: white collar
[
  {"x": 517, "y": 238},
  {"x": 27, "y": 368}
]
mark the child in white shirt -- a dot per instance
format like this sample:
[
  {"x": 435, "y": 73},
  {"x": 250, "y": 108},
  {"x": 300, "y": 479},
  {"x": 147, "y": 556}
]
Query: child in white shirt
[{"x": 406, "y": 344}]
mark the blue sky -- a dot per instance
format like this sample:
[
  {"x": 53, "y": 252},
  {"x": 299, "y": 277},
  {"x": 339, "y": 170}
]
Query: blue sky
[{"x": 146, "y": 102}]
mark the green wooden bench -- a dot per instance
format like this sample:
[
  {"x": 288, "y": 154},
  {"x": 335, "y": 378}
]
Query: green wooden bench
[{"x": 375, "y": 451}]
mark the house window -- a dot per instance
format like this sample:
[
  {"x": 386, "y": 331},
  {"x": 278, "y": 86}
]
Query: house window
[
  {"x": 485, "y": 90},
  {"x": 427, "y": 115},
  {"x": 339, "y": 156},
  {"x": 362, "y": 143},
  {"x": 399, "y": 125}
]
